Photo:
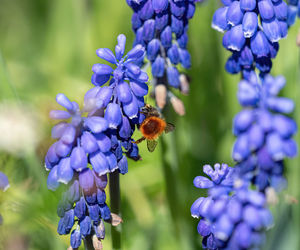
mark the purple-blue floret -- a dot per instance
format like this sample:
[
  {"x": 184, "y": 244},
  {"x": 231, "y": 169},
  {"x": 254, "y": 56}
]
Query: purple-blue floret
[
  {"x": 235, "y": 218},
  {"x": 293, "y": 11},
  {"x": 4, "y": 184}
]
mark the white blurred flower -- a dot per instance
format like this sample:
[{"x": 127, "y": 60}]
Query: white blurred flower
[{"x": 18, "y": 128}]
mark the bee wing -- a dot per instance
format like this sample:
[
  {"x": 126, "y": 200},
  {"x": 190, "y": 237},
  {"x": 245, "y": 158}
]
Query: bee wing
[
  {"x": 151, "y": 145},
  {"x": 156, "y": 113},
  {"x": 169, "y": 128}
]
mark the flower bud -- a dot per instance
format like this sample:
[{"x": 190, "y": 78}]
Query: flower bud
[
  {"x": 184, "y": 84},
  {"x": 160, "y": 5},
  {"x": 85, "y": 226},
  {"x": 158, "y": 67},
  {"x": 75, "y": 238},
  {"x": 99, "y": 163},
  {"x": 178, "y": 105},
  {"x": 234, "y": 14},
  {"x": 4, "y": 184},
  {"x": 97, "y": 244},
  {"x": 219, "y": 22},
  {"x": 149, "y": 30},
  {"x": 107, "y": 55}
]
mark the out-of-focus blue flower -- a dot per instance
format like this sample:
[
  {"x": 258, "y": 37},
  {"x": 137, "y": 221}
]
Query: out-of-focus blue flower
[
  {"x": 293, "y": 11},
  {"x": 83, "y": 206},
  {"x": 161, "y": 27},
  {"x": 235, "y": 218},
  {"x": 220, "y": 179},
  {"x": 4, "y": 184},
  {"x": 252, "y": 29},
  {"x": 264, "y": 132}
]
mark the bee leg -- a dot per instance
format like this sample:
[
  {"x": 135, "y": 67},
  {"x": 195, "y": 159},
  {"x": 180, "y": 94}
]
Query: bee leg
[{"x": 139, "y": 140}]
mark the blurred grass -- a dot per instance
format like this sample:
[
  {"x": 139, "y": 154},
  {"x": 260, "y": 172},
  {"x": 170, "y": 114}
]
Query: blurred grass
[{"x": 48, "y": 47}]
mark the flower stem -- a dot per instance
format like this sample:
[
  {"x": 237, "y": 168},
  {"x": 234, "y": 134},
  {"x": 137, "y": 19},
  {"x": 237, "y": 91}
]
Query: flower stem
[
  {"x": 170, "y": 159},
  {"x": 115, "y": 202},
  {"x": 170, "y": 166},
  {"x": 88, "y": 243}
]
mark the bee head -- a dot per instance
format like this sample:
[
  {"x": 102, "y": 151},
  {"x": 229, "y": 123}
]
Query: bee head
[{"x": 149, "y": 110}]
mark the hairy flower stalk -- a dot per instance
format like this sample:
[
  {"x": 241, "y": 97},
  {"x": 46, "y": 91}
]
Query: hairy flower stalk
[
  {"x": 161, "y": 26},
  {"x": 234, "y": 215},
  {"x": 95, "y": 141}
]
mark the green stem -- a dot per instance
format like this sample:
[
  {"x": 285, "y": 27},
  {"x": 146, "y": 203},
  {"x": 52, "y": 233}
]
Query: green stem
[
  {"x": 88, "y": 243},
  {"x": 171, "y": 168},
  {"x": 7, "y": 87},
  {"x": 115, "y": 204},
  {"x": 170, "y": 165}
]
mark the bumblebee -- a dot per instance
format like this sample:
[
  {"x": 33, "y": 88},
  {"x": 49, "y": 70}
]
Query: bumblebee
[{"x": 153, "y": 126}]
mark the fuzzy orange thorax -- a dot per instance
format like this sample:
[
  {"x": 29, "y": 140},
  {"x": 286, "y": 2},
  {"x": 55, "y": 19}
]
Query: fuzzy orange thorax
[{"x": 152, "y": 127}]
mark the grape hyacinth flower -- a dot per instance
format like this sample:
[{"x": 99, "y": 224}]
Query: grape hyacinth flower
[
  {"x": 81, "y": 157},
  {"x": 161, "y": 27},
  {"x": 83, "y": 208},
  {"x": 127, "y": 84},
  {"x": 293, "y": 11},
  {"x": 83, "y": 141},
  {"x": 4, "y": 185},
  {"x": 123, "y": 98},
  {"x": 252, "y": 31},
  {"x": 96, "y": 140},
  {"x": 264, "y": 132},
  {"x": 104, "y": 135},
  {"x": 233, "y": 216}
]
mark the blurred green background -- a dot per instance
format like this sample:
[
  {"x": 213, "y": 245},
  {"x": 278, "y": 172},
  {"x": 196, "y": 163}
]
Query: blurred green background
[{"x": 48, "y": 47}]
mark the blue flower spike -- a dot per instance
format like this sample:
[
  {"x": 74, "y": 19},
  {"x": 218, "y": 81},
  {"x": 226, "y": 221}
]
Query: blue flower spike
[
  {"x": 232, "y": 216},
  {"x": 95, "y": 140},
  {"x": 264, "y": 131},
  {"x": 260, "y": 24},
  {"x": 161, "y": 26},
  {"x": 235, "y": 213}
]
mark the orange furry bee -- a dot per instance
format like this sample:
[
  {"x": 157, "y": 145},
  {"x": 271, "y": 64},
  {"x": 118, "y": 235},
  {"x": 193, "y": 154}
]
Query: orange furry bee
[{"x": 153, "y": 126}]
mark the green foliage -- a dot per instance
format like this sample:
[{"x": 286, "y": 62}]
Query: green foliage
[{"x": 48, "y": 47}]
